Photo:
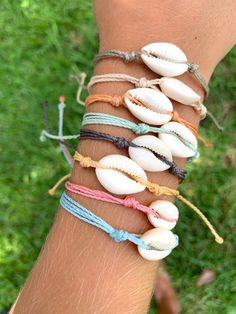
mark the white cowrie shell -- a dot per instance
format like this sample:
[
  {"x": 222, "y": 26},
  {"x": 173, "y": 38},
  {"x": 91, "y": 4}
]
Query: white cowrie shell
[
  {"x": 117, "y": 182},
  {"x": 145, "y": 158},
  {"x": 165, "y": 59},
  {"x": 177, "y": 148},
  {"x": 156, "y": 106},
  {"x": 161, "y": 239},
  {"x": 167, "y": 210},
  {"x": 177, "y": 90}
]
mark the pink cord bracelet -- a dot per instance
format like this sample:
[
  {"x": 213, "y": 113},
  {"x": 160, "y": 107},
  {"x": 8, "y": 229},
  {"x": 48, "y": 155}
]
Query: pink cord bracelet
[{"x": 128, "y": 201}]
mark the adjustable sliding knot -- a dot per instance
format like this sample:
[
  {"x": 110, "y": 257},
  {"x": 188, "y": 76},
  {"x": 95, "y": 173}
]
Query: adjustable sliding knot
[
  {"x": 116, "y": 101},
  {"x": 131, "y": 202},
  {"x": 130, "y": 56},
  {"x": 154, "y": 188},
  {"x": 121, "y": 142},
  {"x": 85, "y": 162},
  {"x": 141, "y": 128},
  {"x": 119, "y": 235},
  {"x": 143, "y": 83},
  {"x": 192, "y": 67}
]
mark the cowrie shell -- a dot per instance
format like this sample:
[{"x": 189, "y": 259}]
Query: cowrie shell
[
  {"x": 145, "y": 157},
  {"x": 161, "y": 239},
  {"x": 177, "y": 90},
  {"x": 177, "y": 148},
  {"x": 156, "y": 106},
  {"x": 116, "y": 182},
  {"x": 165, "y": 59},
  {"x": 167, "y": 210}
]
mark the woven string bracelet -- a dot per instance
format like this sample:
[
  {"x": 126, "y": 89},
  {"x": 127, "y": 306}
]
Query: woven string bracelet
[
  {"x": 122, "y": 143},
  {"x": 117, "y": 101},
  {"x": 142, "y": 82},
  {"x": 118, "y": 235},
  {"x": 139, "y": 82},
  {"x": 119, "y": 142},
  {"x": 128, "y": 201},
  {"x": 130, "y": 56},
  {"x": 84, "y": 214},
  {"x": 140, "y": 128},
  {"x": 154, "y": 188}
]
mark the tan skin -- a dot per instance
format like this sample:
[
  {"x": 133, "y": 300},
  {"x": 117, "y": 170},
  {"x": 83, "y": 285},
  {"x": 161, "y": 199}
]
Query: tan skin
[{"x": 80, "y": 269}]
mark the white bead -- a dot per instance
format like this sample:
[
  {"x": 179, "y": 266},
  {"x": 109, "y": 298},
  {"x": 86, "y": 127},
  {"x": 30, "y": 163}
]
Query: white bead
[
  {"x": 177, "y": 90},
  {"x": 145, "y": 157},
  {"x": 167, "y": 210},
  {"x": 177, "y": 148},
  {"x": 157, "y": 107},
  {"x": 165, "y": 59},
  {"x": 162, "y": 239},
  {"x": 117, "y": 182}
]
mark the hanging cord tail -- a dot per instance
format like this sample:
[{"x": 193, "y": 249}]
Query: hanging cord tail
[
  {"x": 218, "y": 239},
  {"x": 194, "y": 68},
  {"x": 160, "y": 190},
  {"x": 215, "y": 121},
  {"x": 46, "y": 120},
  {"x": 81, "y": 85},
  {"x": 127, "y": 57},
  {"x": 59, "y": 182},
  {"x": 64, "y": 149}
]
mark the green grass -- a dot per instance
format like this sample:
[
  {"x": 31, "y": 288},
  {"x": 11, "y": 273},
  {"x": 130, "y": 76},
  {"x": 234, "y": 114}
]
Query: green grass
[{"x": 42, "y": 42}]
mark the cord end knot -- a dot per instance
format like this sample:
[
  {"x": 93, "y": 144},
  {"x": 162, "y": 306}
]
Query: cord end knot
[{"x": 119, "y": 235}]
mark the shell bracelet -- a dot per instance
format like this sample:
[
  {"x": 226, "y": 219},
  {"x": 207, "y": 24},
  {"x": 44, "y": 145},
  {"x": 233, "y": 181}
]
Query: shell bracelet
[
  {"x": 171, "y": 87},
  {"x": 132, "y": 179},
  {"x": 155, "y": 244},
  {"x": 160, "y": 213},
  {"x": 178, "y": 138},
  {"x": 147, "y": 150},
  {"x": 149, "y": 106},
  {"x": 165, "y": 59}
]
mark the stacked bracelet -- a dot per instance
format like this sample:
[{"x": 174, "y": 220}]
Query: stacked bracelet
[
  {"x": 181, "y": 142},
  {"x": 155, "y": 244},
  {"x": 160, "y": 213},
  {"x": 171, "y": 87},
  {"x": 121, "y": 175},
  {"x": 149, "y": 106},
  {"x": 147, "y": 150},
  {"x": 164, "y": 59}
]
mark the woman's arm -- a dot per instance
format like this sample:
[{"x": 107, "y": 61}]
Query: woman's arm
[{"x": 80, "y": 269}]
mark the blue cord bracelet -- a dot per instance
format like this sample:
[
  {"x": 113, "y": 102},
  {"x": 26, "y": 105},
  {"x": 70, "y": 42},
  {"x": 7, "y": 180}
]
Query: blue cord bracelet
[{"x": 84, "y": 214}]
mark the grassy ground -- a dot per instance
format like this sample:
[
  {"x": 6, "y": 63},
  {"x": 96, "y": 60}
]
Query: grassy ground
[{"x": 42, "y": 42}]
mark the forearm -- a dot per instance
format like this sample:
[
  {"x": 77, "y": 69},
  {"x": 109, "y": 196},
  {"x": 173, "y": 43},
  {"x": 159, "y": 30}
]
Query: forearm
[{"x": 80, "y": 269}]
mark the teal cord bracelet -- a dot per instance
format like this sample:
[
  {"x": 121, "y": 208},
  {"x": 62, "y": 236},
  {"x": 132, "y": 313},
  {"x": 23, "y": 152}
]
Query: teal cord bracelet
[{"x": 140, "y": 128}]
